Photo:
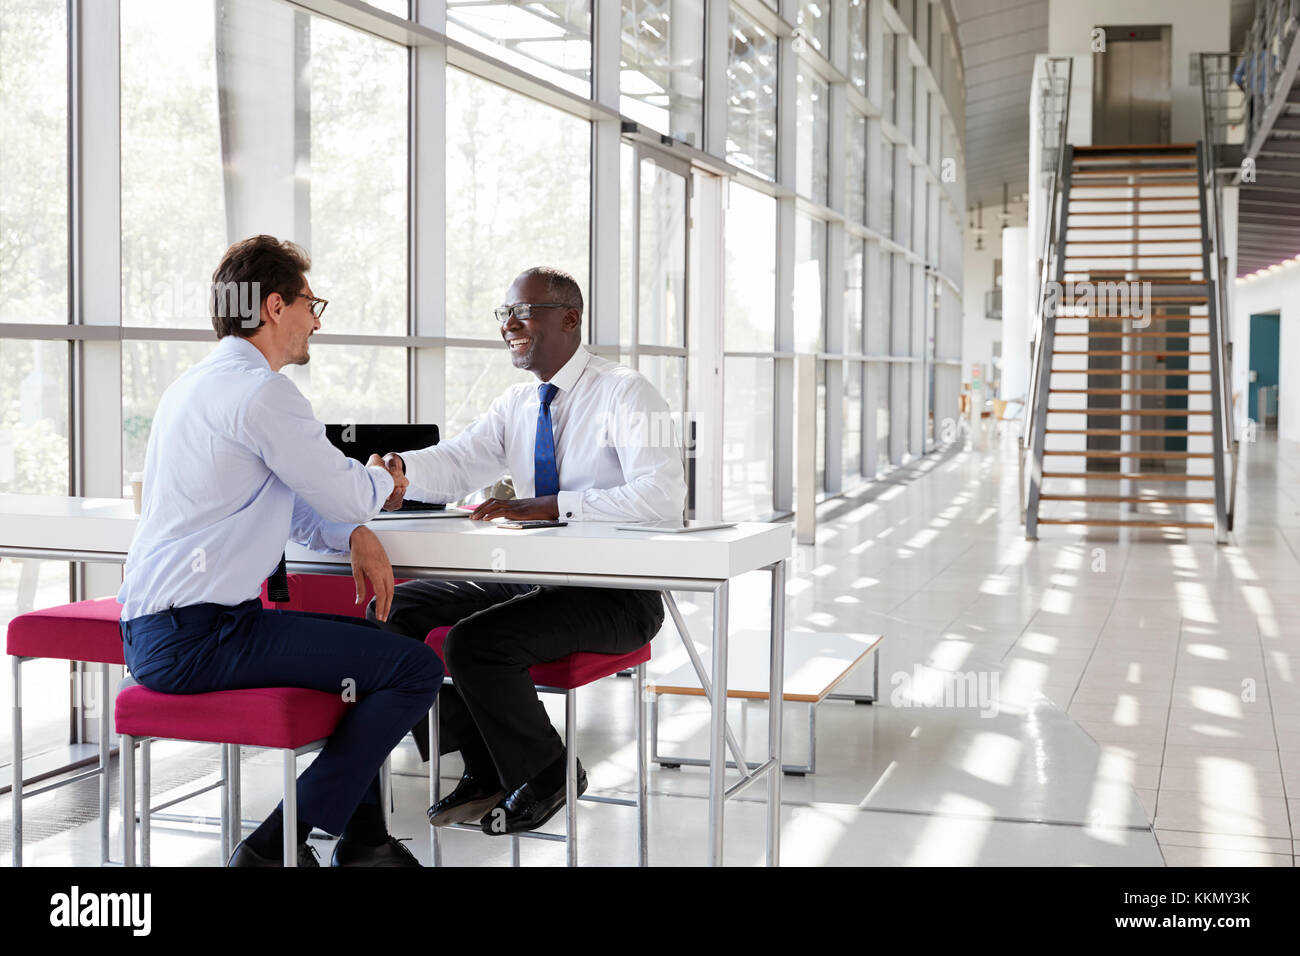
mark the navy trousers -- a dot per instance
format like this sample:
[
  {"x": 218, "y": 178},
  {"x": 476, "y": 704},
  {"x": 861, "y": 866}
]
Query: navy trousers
[{"x": 208, "y": 647}]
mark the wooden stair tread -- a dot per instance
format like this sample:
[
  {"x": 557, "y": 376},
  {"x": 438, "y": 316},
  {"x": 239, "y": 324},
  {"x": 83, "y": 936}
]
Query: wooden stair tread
[
  {"x": 1126, "y": 241},
  {"x": 1132, "y": 523},
  {"x": 1125, "y": 475},
  {"x": 1124, "y": 371},
  {"x": 1121, "y": 333},
  {"x": 1119, "y": 352},
  {"x": 1130, "y": 212},
  {"x": 1153, "y": 148},
  {"x": 1117, "y": 432},
  {"x": 1131, "y": 391},
  {"x": 1121, "y": 412},
  {"x": 1130, "y": 499},
  {"x": 1106, "y": 453}
]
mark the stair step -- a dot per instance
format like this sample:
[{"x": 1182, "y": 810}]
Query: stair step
[
  {"x": 1155, "y": 149},
  {"x": 1194, "y": 211},
  {"x": 1130, "y": 391},
  {"x": 1096, "y": 170},
  {"x": 1119, "y": 352},
  {"x": 1084, "y": 453},
  {"x": 1121, "y": 333},
  {"x": 1120, "y": 412},
  {"x": 1126, "y": 475},
  {"x": 1139, "y": 187},
  {"x": 1116, "y": 242},
  {"x": 1130, "y": 499},
  {"x": 1111, "y": 274},
  {"x": 1123, "y": 371},
  {"x": 1117, "y": 432},
  {"x": 1114, "y": 523},
  {"x": 1186, "y": 226}
]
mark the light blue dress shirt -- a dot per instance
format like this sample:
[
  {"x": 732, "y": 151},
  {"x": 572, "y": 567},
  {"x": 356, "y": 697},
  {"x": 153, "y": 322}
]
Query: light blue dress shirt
[{"x": 237, "y": 465}]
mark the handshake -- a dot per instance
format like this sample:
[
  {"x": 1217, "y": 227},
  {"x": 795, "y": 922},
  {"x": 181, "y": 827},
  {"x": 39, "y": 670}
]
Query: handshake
[{"x": 393, "y": 462}]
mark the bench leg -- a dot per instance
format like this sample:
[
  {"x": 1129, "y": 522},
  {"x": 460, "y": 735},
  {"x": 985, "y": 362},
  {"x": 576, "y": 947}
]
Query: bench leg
[
  {"x": 290, "y": 808},
  {"x": 126, "y": 757},
  {"x": 435, "y": 779},
  {"x": 233, "y": 784},
  {"x": 16, "y": 791},
  {"x": 227, "y": 817}
]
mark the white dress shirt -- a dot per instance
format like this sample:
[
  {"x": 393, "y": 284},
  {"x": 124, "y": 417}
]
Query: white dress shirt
[
  {"x": 616, "y": 447},
  {"x": 237, "y": 464}
]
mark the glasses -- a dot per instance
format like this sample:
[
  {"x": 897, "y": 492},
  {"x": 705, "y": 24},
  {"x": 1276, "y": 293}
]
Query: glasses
[
  {"x": 316, "y": 305},
  {"x": 524, "y": 310}
]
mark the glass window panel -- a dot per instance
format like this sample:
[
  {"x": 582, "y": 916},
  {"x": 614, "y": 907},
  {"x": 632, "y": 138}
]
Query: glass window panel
[
  {"x": 811, "y": 131},
  {"x": 851, "y": 416},
  {"x": 889, "y": 50},
  {"x": 33, "y": 161},
  {"x": 626, "y": 235},
  {"x": 354, "y": 383},
  {"x": 855, "y": 197},
  {"x": 854, "y": 268},
  {"x": 750, "y": 237},
  {"x": 858, "y": 44},
  {"x": 747, "y": 446},
  {"x": 878, "y": 384},
  {"x": 878, "y": 329},
  {"x": 662, "y": 79},
  {"x": 751, "y": 96},
  {"x": 809, "y": 284},
  {"x": 475, "y": 377},
  {"x": 815, "y": 20},
  {"x": 885, "y": 209},
  {"x": 359, "y": 179},
  {"x": 667, "y": 373},
  {"x": 661, "y": 318},
  {"x": 550, "y": 39},
  {"x": 220, "y": 142},
  {"x": 33, "y": 417},
  {"x": 398, "y": 8},
  {"x": 510, "y": 209},
  {"x": 147, "y": 369},
  {"x": 174, "y": 217}
]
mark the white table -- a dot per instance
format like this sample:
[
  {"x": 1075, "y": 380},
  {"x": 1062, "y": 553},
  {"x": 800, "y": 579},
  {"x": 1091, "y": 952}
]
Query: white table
[{"x": 587, "y": 554}]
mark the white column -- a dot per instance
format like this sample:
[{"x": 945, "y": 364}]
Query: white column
[{"x": 1015, "y": 312}]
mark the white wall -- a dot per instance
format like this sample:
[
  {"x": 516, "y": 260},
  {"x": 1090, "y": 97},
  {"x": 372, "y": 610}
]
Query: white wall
[
  {"x": 1199, "y": 26},
  {"x": 1274, "y": 292},
  {"x": 978, "y": 333}
]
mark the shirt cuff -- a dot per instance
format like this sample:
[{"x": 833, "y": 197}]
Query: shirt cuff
[
  {"x": 338, "y": 535},
  {"x": 376, "y": 470},
  {"x": 570, "y": 505}
]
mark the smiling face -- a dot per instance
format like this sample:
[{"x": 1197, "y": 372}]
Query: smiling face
[{"x": 547, "y": 339}]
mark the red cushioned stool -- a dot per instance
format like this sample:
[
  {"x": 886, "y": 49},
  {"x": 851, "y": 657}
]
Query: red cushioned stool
[
  {"x": 86, "y": 631},
  {"x": 294, "y": 720},
  {"x": 563, "y": 676}
]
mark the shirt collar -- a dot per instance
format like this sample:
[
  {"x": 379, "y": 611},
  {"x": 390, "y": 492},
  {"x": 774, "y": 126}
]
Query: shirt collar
[
  {"x": 238, "y": 345},
  {"x": 571, "y": 371}
]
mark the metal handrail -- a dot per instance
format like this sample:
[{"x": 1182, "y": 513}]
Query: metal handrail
[
  {"x": 1051, "y": 228},
  {"x": 1212, "y": 137}
]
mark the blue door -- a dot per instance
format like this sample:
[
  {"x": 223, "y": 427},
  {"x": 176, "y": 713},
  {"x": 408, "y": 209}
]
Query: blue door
[{"x": 1264, "y": 332}]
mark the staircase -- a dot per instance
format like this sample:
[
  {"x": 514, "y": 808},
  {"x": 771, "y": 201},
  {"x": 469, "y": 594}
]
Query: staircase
[{"x": 1126, "y": 426}]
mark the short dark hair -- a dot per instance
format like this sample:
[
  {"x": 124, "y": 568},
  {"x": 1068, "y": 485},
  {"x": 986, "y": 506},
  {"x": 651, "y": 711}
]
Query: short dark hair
[
  {"x": 559, "y": 285},
  {"x": 249, "y": 272}
]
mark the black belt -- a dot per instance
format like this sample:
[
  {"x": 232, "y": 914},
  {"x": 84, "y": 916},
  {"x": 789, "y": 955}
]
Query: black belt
[{"x": 277, "y": 585}]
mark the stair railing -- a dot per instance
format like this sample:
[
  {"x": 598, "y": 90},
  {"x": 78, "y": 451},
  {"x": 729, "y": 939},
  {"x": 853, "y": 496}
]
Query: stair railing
[{"x": 1056, "y": 75}]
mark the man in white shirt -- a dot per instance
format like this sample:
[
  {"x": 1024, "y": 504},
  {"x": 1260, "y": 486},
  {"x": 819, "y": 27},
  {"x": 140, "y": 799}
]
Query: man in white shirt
[
  {"x": 237, "y": 464},
  {"x": 593, "y": 442}
]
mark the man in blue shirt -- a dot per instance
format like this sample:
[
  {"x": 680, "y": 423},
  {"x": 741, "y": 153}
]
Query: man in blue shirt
[{"x": 236, "y": 465}]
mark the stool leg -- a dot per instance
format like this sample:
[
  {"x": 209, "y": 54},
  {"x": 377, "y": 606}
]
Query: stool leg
[
  {"x": 435, "y": 778},
  {"x": 104, "y": 783},
  {"x": 226, "y": 848},
  {"x": 16, "y": 792},
  {"x": 514, "y": 850},
  {"x": 290, "y": 809},
  {"x": 386, "y": 791},
  {"x": 571, "y": 776},
  {"x": 146, "y": 791},
  {"x": 234, "y": 785},
  {"x": 126, "y": 756},
  {"x": 642, "y": 823}
]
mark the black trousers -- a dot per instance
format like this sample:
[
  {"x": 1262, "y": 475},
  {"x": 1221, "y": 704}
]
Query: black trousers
[{"x": 492, "y": 713}]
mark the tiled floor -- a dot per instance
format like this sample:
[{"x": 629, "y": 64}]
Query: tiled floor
[{"x": 1119, "y": 698}]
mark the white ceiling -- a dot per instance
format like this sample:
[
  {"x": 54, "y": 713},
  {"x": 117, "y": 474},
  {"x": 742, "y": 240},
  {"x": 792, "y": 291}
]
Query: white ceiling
[{"x": 998, "y": 40}]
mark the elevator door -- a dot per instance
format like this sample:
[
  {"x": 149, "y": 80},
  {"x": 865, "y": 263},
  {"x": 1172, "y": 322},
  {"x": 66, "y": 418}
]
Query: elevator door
[{"x": 1130, "y": 86}]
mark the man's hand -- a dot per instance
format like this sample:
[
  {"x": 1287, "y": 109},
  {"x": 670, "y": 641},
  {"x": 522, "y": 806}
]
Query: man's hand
[
  {"x": 394, "y": 465},
  {"x": 519, "y": 509},
  {"x": 370, "y": 563}
]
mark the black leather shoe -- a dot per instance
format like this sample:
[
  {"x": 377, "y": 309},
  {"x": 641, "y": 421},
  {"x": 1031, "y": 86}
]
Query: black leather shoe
[
  {"x": 526, "y": 809},
  {"x": 245, "y": 855},
  {"x": 392, "y": 853},
  {"x": 469, "y": 801}
]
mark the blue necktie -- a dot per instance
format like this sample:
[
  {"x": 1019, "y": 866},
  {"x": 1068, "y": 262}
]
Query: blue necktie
[{"x": 546, "y": 474}]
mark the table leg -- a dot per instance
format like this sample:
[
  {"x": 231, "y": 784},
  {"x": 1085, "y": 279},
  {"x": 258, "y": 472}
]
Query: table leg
[
  {"x": 775, "y": 697},
  {"x": 104, "y": 776},
  {"x": 718, "y": 726}
]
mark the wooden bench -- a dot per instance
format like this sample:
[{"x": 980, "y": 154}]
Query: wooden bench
[{"x": 815, "y": 663}]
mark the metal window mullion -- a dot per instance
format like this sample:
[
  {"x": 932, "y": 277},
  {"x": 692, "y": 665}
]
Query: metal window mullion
[{"x": 427, "y": 229}]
